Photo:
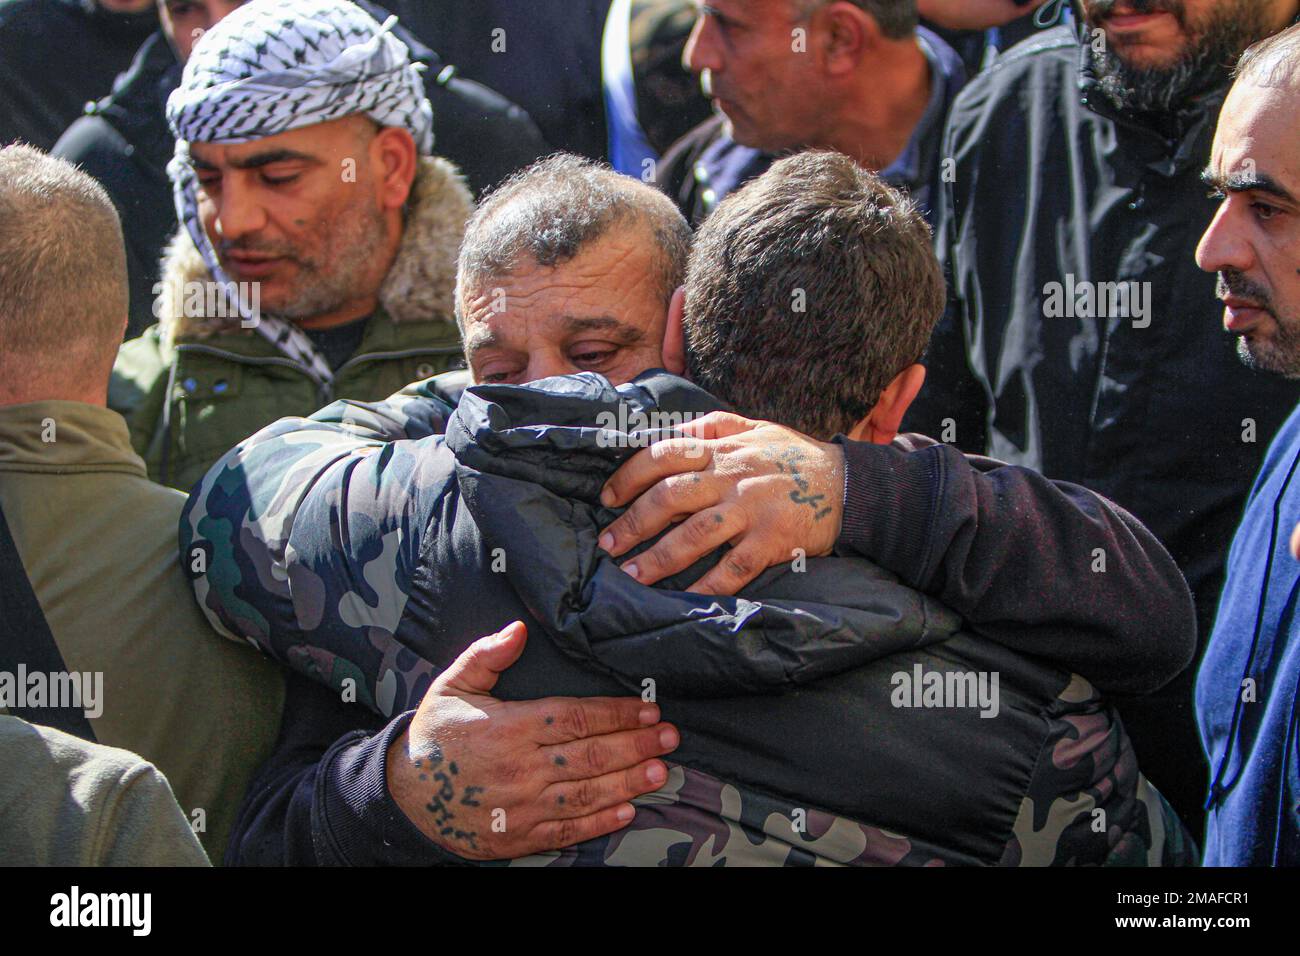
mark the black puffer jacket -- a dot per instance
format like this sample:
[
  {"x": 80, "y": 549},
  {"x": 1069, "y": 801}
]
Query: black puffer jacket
[{"x": 815, "y": 689}]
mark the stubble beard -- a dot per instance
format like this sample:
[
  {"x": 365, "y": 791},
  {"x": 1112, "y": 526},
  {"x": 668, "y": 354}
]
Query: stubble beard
[
  {"x": 1279, "y": 354},
  {"x": 342, "y": 272}
]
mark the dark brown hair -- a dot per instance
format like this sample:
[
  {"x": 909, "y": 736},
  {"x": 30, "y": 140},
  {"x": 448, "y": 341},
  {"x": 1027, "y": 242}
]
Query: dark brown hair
[{"x": 808, "y": 291}]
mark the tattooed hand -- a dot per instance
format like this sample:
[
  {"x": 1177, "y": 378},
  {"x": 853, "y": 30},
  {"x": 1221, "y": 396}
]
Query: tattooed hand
[
  {"x": 765, "y": 489},
  {"x": 490, "y": 779}
]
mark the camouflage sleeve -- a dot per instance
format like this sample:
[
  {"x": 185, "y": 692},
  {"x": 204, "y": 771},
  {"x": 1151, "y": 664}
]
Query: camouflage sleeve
[
  {"x": 1087, "y": 803},
  {"x": 695, "y": 819},
  {"x": 304, "y": 540}
]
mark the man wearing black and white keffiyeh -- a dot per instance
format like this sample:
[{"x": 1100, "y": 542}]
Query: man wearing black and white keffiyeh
[{"x": 316, "y": 255}]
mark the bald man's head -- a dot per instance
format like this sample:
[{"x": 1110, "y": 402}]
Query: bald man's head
[{"x": 63, "y": 286}]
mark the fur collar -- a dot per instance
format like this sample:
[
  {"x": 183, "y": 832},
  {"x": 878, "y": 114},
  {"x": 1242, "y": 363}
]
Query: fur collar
[{"x": 420, "y": 287}]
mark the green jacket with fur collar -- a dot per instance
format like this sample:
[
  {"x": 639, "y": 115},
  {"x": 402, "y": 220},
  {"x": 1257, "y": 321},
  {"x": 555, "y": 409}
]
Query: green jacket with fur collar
[{"x": 194, "y": 386}]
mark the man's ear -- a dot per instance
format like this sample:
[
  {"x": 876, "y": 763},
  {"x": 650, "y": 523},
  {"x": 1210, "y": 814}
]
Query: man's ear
[
  {"x": 882, "y": 422},
  {"x": 396, "y": 157},
  {"x": 850, "y": 34},
  {"x": 674, "y": 335}
]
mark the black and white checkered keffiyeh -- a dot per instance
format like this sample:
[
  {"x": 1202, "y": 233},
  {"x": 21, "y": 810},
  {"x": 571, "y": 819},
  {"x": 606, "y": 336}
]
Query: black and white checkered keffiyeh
[{"x": 277, "y": 65}]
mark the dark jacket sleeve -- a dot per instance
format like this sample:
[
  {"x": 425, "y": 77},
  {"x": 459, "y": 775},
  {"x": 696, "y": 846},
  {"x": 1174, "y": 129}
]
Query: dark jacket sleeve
[
  {"x": 1043, "y": 567},
  {"x": 143, "y": 204},
  {"x": 953, "y": 404},
  {"x": 322, "y": 799}
]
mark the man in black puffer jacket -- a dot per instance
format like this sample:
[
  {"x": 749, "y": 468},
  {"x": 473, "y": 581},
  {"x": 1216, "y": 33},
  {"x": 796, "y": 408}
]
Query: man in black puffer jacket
[
  {"x": 829, "y": 714},
  {"x": 1081, "y": 339}
]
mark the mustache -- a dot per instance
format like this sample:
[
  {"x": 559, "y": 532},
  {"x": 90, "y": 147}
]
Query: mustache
[
  {"x": 1239, "y": 285},
  {"x": 246, "y": 246}
]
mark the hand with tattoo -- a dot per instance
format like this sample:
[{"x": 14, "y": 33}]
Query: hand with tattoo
[
  {"x": 488, "y": 779},
  {"x": 765, "y": 489}
]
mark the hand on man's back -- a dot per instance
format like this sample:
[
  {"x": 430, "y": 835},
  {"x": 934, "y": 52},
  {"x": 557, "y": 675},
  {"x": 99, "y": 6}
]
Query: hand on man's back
[
  {"x": 769, "y": 491},
  {"x": 488, "y": 779}
]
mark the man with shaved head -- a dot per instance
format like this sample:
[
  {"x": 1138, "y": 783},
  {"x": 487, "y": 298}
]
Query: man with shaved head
[{"x": 93, "y": 537}]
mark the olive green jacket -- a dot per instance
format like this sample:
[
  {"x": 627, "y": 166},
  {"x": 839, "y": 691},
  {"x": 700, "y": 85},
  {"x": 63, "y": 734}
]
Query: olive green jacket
[
  {"x": 195, "y": 385},
  {"x": 98, "y": 541},
  {"x": 66, "y": 802}
]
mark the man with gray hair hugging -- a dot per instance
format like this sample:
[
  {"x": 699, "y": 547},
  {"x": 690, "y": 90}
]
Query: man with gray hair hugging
[{"x": 363, "y": 545}]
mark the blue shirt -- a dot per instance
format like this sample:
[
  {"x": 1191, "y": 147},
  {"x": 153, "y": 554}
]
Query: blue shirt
[
  {"x": 1247, "y": 686},
  {"x": 628, "y": 146}
]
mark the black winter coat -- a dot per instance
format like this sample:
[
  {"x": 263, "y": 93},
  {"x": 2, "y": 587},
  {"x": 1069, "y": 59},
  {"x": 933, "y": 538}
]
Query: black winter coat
[
  {"x": 55, "y": 57},
  {"x": 1054, "y": 193}
]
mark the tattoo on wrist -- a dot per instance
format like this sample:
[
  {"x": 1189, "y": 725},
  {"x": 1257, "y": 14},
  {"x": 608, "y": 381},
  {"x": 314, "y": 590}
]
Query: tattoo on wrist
[
  {"x": 444, "y": 797},
  {"x": 788, "y": 461}
]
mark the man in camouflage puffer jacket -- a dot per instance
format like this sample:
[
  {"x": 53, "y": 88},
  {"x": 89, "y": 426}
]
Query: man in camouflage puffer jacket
[{"x": 830, "y": 714}]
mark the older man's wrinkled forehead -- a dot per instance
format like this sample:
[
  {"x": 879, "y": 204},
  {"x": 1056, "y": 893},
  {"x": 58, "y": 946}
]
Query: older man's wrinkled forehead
[
  {"x": 610, "y": 287},
  {"x": 599, "y": 311}
]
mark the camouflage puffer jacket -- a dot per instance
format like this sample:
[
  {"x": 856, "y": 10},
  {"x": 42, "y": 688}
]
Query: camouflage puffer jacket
[{"x": 828, "y": 715}]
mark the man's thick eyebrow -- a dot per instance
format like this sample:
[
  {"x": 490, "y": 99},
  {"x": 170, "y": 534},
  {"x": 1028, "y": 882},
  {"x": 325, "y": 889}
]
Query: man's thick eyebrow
[
  {"x": 709, "y": 10},
  {"x": 626, "y": 334},
  {"x": 1247, "y": 183},
  {"x": 480, "y": 338},
  {"x": 258, "y": 160}
]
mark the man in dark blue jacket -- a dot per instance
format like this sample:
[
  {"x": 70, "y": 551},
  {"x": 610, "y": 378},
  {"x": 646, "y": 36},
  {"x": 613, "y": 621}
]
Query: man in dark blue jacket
[
  {"x": 361, "y": 545},
  {"x": 1249, "y": 682}
]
